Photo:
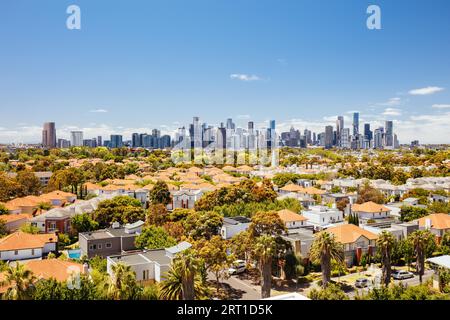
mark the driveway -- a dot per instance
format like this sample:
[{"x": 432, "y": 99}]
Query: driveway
[{"x": 238, "y": 288}]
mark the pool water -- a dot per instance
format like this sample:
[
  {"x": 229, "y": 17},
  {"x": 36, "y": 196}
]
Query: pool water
[{"x": 74, "y": 254}]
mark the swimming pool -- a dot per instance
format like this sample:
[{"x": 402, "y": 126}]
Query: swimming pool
[{"x": 74, "y": 254}]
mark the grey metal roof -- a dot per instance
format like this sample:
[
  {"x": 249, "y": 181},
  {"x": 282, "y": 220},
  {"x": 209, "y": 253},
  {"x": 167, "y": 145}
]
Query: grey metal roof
[{"x": 179, "y": 247}]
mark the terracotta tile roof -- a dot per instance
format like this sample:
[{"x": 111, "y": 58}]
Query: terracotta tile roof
[
  {"x": 228, "y": 168},
  {"x": 349, "y": 233},
  {"x": 290, "y": 216},
  {"x": 370, "y": 206},
  {"x": 21, "y": 240},
  {"x": 244, "y": 168},
  {"x": 60, "y": 195},
  {"x": 293, "y": 188},
  {"x": 312, "y": 190},
  {"x": 29, "y": 201},
  {"x": 8, "y": 218},
  {"x": 91, "y": 186},
  {"x": 54, "y": 268},
  {"x": 439, "y": 221}
]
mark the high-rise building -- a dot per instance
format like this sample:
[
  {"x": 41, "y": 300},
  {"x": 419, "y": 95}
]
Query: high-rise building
[
  {"x": 378, "y": 137},
  {"x": 328, "y": 137},
  {"x": 49, "y": 135},
  {"x": 339, "y": 128},
  {"x": 355, "y": 124},
  {"x": 76, "y": 138},
  {"x": 367, "y": 132},
  {"x": 308, "y": 138},
  {"x": 116, "y": 141},
  {"x": 345, "y": 138},
  {"x": 99, "y": 141},
  {"x": 251, "y": 125},
  {"x": 230, "y": 124},
  {"x": 135, "y": 141},
  {"x": 389, "y": 134},
  {"x": 63, "y": 143}
]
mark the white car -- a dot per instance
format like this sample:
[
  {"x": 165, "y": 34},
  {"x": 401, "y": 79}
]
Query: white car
[
  {"x": 237, "y": 268},
  {"x": 400, "y": 275}
]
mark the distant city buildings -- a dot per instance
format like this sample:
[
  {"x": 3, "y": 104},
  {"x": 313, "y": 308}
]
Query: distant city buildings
[
  {"x": 229, "y": 136},
  {"x": 49, "y": 135}
]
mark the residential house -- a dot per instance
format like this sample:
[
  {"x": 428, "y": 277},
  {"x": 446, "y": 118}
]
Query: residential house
[
  {"x": 233, "y": 225},
  {"x": 13, "y": 222},
  {"x": 356, "y": 241},
  {"x": 301, "y": 241},
  {"x": 184, "y": 199},
  {"x": 111, "y": 241},
  {"x": 291, "y": 219},
  {"x": 21, "y": 246},
  {"x": 322, "y": 217},
  {"x": 149, "y": 266},
  {"x": 371, "y": 213},
  {"x": 437, "y": 223}
]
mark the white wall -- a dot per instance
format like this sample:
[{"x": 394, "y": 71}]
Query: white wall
[
  {"x": 21, "y": 254},
  {"x": 228, "y": 231}
]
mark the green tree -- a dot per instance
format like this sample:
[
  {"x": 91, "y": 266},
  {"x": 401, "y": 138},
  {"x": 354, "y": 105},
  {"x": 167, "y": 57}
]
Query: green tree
[
  {"x": 331, "y": 292},
  {"x": 214, "y": 254},
  {"x": 83, "y": 223},
  {"x": 160, "y": 194},
  {"x": 203, "y": 224},
  {"x": 266, "y": 223},
  {"x": 367, "y": 193},
  {"x": 153, "y": 237},
  {"x": 29, "y": 228},
  {"x": 3, "y": 210},
  {"x": 3, "y": 229},
  {"x": 265, "y": 249},
  {"x": 29, "y": 183},
  {"x": 19, "y": 280},
  {"x": 122, "y": 285},
  {"x": 420, "y": 240},
  {"x": 183, "y": 279},
  {"x": 323, "y": 249},
  {"x": 157, "y": 214},
  {"x": 122, "y": 209},
  {"x": 409, "y": 213},
  {"x": 385, "y": 244}
]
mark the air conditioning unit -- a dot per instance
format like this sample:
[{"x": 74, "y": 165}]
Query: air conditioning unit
[{"x": 116, "y": 225}]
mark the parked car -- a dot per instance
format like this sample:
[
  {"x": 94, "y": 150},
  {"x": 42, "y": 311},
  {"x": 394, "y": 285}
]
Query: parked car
[
  {"x": 237, "y": 268},
  {"x": 362, "y": 283},
  {"x": 401, "y": 274}
]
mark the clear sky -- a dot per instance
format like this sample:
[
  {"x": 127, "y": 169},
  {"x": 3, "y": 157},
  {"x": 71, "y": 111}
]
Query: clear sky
[{"x": 142, "y": 64}]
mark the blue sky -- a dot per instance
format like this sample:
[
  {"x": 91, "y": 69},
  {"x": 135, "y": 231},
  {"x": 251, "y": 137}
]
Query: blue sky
[{"x": 151, "y": 63}]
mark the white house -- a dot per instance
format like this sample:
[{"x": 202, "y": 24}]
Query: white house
[
  {"x": 291, "y": 219},
  {"x": 184, "y": 199},
  {"x": 322, "y": 217},
  {"x": 232, "y": 226},
  {"x": 149, "y": 265},
  {"x": 22, "y": 246}
]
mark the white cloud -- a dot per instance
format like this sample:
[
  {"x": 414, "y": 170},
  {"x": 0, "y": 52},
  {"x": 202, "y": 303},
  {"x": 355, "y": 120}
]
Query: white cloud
[
  {"x": 99, "y": 111},
  {"x": 425, "y": 91},
  {"x": 244, "y": 77},
  {"x": 392, "y": 112},
  {"x": 243, "y": 116},
  {"x": 392, "y": 102},
  {"x": 441, "y": 106}
]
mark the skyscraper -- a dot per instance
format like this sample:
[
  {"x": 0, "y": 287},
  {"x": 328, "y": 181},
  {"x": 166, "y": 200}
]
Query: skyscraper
[
  {"x": 49, "y": 135},
  {"x": 116, "y": 141},
  {"x": 355, "y": 125},
  {"x": 389, "y": 134},
  {"x": 135, "y": 141},
  {"x": 328, "y": 137},
  {"x": 99, "y": 141},
  {"x": 251, "y": 125},
  {"x": 76, "y": 138},
  {"x": 339, "y": 128}
]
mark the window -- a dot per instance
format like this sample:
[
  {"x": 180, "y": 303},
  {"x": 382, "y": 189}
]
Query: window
[
  {"x": 99, "y": 246},
  {"x": 52, "y": 226},
  {"x": 16, "y": 252},
  {"x": 108, "y": 245},
  {"x": 32, "y": 252},
  {"x": 91, "y": 247}
]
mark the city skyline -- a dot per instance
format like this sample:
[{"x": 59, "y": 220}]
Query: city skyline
[{"x": 129, "y": 69}]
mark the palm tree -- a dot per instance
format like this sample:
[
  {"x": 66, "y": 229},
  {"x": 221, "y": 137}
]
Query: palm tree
[
  {"x": 420, "y": 239},
  {"x": 123, "y": 282},
  {"x": 265, "y": 248},
  {"x": 385, "y": 243},
  {"x": 323, "y": 249},
  {"x": 43, "y": 206},
  {"x": 19, "y": 280},
  {"x": 183, "y": 280}
]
